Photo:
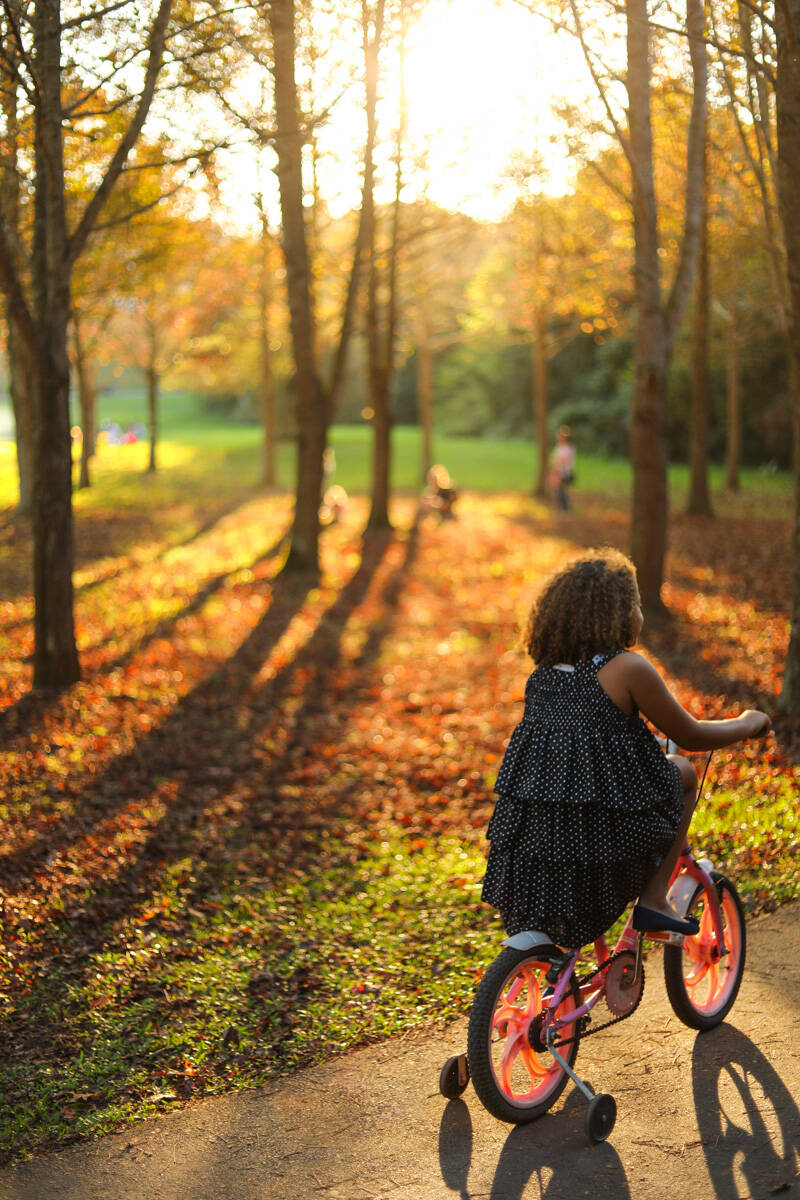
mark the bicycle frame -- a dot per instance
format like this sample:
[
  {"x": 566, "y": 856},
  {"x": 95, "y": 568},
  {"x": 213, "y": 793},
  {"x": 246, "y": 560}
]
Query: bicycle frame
[{"x": 594, "y": 989}]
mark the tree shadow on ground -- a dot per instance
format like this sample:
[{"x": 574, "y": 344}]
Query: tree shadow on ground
[
  {"x": 98, "y": 536},
  {"x": 748, "y": 1120},
  {"x": 201, "y": 748},
  {"x": 28, "y": 714}
]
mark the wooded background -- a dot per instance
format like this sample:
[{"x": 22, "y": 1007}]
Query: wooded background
[{"x": 654, "y": 305}]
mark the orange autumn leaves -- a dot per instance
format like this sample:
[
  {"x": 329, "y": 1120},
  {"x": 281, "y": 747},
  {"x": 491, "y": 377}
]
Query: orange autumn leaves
[{"x": 228, "y": 710}]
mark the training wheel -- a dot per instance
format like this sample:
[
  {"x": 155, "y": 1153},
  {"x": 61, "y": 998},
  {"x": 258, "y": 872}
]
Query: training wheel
[
  {"x": 600, "y": 1117},
  {"x": 454, "y": 1077}
]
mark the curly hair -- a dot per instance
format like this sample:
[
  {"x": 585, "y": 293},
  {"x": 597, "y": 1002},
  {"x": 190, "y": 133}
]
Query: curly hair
[{"x": 587, "y": 608}]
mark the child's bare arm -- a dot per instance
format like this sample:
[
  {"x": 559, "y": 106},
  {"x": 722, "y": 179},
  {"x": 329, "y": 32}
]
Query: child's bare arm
[{"x": 652, "y": 697}]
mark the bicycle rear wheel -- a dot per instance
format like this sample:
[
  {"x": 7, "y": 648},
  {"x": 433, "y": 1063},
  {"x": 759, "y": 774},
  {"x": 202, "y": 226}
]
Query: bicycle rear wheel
[
  {"x": 701, "y": 986},
  {"x": 515, "y": 1077}
]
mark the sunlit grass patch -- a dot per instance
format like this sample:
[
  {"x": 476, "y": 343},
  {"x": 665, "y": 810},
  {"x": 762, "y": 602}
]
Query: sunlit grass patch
[
  {"x": 202, "y": 990},
  {"x": 752, "y": 834}
]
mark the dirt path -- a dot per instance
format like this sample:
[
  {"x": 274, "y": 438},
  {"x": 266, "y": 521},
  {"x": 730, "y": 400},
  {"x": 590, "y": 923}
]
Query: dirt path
[{"x": 710, "y": 1116}]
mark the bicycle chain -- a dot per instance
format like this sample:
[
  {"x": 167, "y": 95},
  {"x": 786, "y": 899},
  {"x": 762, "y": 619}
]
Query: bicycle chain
[{"x": 583, "y": 1023}]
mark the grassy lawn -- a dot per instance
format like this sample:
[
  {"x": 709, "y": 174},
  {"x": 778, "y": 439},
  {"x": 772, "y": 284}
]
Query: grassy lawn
[
  {"x": 194, "y": 443},
  {"x": 253, "y": 835}
]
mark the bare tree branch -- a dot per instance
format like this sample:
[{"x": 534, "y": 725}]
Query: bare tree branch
[
  {"x": 157, "y": 38},
  {"x": 621, "y": 136},
  {"x": 95, "y": 15},
  {"x": 30, "y": 91},
  {"x": 71, "y": 109}
]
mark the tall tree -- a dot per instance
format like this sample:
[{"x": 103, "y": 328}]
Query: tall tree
[
  {"x": 266, "y": 389},
  {"x": 658, "y": 315},
  {"x": 381, "y": 326},
  {"x": 19, "y": 365},
  {"x": 787, "y": 96},
  {"x": 310, "y": 401},
  {"x": 699, "y": 503},
  {"x": 42, "y": 313}
]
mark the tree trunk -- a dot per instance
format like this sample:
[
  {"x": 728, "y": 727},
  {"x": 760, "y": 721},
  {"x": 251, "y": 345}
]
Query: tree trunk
[
  {"x": 267, "y": 384},
  {"x": 86, "y": 399},
  {"x": 787, "y": 97},
  {"x": 19, "y": 364},
  {"x": 20, "y": 372},
  {"x": 55, "y": 658},
  {"x": 540, "y": 397},
  {"x": 378, "y": 363},
  {"x": 153, "y": 380},
  {"x": 381, "y": 453},
  {"x": 311, "y": 406},
  {"x": 733, "y": 448},
  {"x": 425, "y": 387},
  {"x": 657, "y": 322},
  {"x": 699, "y": 504},
  {"x": 649, "y": 514}
]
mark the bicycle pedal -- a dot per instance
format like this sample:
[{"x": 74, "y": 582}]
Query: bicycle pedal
[{"x": 664, "y": 936}]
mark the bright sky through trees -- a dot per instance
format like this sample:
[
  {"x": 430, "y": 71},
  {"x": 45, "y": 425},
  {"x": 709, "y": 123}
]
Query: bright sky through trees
[{"x": 481, "y": 76}]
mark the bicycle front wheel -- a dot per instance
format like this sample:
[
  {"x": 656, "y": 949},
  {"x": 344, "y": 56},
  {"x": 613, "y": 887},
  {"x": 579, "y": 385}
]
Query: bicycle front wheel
[
  {"x": 515, "y": 1077},
  {"x": 701, "y": 985}
]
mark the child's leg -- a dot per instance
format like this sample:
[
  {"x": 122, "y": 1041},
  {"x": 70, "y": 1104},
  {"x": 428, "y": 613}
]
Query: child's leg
[{"x": 654, "y": 892}]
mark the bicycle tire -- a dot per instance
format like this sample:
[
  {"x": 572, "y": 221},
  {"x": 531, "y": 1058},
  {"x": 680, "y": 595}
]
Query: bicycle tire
[
  {"x": 687, "y": 967},
  {"x": 491, "y": 1071}
]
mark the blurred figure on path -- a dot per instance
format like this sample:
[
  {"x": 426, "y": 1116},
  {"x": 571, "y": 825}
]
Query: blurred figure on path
[
  {"x": 562, "y": 468},
  {"x": 334, "y": 505},
  {"x": 439, "y": 495}
]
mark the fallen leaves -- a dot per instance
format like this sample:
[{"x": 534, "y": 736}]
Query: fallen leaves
[{"x": 233, "y": 723}]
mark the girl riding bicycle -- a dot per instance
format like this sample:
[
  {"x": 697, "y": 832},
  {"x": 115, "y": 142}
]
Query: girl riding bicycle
[{"x": 591, "y": 814}]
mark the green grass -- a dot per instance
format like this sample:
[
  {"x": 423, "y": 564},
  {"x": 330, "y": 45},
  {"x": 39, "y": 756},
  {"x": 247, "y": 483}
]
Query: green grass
[
  {"x": 756, "y": 835},
  {"x": 195, "y": 445},
  {"x": 253, "y": 981},
  {"x": 257, "y": 980}
]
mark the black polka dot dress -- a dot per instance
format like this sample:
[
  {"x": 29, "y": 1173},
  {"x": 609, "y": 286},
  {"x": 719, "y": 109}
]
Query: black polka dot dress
[{"x": 588, "y": 806}]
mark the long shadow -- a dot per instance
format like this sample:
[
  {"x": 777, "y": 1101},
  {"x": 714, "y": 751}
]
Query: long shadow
[
  {"x": 552, "y": 1151},
  {"x": 185, "y": 746},
  {"x": 164, "y": 750},
  {"x": 173, "y": 751},
  {"x": 28, "y": 714},
  {"x": 211, "y": 521},
  {"x": 217, "y": 513},
  {"x": 166, "y": 625},
  {"x": 179, "y": 832},
  {"x": 738, "y": 1096}
]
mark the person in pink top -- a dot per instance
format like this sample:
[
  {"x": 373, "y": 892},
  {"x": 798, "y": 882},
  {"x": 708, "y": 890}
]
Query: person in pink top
[{"x": 562, "y": 468}]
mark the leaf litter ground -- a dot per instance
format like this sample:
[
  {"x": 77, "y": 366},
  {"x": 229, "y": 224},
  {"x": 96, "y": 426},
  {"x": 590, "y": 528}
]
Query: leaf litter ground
[{"x": 253, "y": 836}]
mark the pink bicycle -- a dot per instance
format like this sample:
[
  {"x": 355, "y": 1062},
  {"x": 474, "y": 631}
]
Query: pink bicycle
[{"x": 533, "y": 1004}]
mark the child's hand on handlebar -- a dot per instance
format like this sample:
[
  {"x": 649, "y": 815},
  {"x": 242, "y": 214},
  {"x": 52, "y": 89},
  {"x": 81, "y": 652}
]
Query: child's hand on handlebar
[{"x": 759, "y": 722}]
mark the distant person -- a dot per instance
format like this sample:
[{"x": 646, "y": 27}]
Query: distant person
[
  {"x": 334, "y": 505},
  {"x": 328, "y": 464},
  {"x": 440, "y": 496},
  {"x": 562, "y": 468}
]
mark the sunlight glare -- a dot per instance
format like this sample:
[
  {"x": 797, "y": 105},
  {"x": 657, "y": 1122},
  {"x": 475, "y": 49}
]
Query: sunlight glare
[{"x": 481, "y": 77}]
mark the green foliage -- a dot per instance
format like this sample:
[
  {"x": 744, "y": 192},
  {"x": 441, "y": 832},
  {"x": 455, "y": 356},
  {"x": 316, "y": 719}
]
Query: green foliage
[
  {"x": 483, "y": 389},
  {"x": 596, "y": 380}
]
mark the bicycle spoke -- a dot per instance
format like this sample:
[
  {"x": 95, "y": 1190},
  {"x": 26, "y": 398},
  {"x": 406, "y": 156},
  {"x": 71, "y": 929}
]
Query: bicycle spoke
[{"x": 694, "y": 978}]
